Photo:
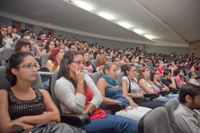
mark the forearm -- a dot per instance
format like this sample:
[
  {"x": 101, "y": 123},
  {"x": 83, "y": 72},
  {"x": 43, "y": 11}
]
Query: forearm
[
  {"x": 80, "y": 88},
  {"x": 38, "y": 51},
  {"x": 8, "y": 128},
  {"x": 108, "y": 100},
  {"x": 43, "y": 118}
]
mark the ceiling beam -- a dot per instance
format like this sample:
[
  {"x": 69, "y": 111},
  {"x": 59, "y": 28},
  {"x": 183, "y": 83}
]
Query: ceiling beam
[{"x": 193, "y": 42}]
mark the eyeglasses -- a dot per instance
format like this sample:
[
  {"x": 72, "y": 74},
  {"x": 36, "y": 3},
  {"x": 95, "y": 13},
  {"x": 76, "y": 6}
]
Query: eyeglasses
[
  {"x": 133, "y": 70},
  {"x": 78, "y": 62},
  {"x": 29, "y": 66}
]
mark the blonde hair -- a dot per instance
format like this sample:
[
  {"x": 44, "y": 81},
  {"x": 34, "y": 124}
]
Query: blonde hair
[{"x": 101, "y": 60}]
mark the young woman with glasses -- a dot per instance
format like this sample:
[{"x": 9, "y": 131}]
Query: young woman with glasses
[{"x": 78, "y": 94}]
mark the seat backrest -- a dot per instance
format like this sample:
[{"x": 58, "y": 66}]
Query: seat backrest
[
  {"x": 40, "y": 44},
  {"x": 13, "y": 45},
  {"x": 95, "y": 76},
  {"x": 52, "y": 89},
  {"x": 137, "y": 68},
  {"x": 161, "y": 77},
  {"x": 137, "y": 77},
  {"x": 44, "y": 58},
  {"x": 156, "y": 121},
  {"x": 94, "y": 62},
  {"x": 171, "y": 106},
  {"x": 187, "y": 79},
  {"x": 149, "y": 64},
  {"x": 110, "y": 59},
  {"x": 6, "y": 54},
  {"x": 119, "y": 78},
  {"x": 5, "y": 84}
]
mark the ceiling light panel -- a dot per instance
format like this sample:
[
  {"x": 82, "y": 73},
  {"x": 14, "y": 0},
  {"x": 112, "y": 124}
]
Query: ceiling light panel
[
  {"x": 149, "y": 36},
  {"x": 84, "y": 5},
  {"x": 138, "y": 31},
  {"x": 106, "y": 15},
  {"x": 125, "y": 24}
]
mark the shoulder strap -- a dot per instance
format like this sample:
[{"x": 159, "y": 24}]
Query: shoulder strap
[{"x": 129, "y": 89}]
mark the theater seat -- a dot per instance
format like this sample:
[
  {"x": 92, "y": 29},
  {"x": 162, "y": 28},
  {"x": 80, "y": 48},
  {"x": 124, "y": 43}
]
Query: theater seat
[
  {"x": 95, "y": 77},
  {"x": 6, "y": 54},
  {"x": 155, "y": 121},
  {"x": 44, "y": 58},
  {"x": 94, "y": 62},
  {"x": 171, "y": 106}
]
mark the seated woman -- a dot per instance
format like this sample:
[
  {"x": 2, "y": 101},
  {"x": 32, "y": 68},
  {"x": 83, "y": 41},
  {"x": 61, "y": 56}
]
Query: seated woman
[
  {"x": 132, "y": 60},
  {"x": 96, "y": 55},
  {"x": 130, "y": 87},
  {"x": 110, "y": 54},
  {"x": 53, "y": 64},
  {"x": 78, "y": 94},
  {"x": 155, "y": 78},
  {"x": 25, "y": 46},
  {"x": 141, "y": 62},
  {"x": 87, "y": 64},
  {"x": 48, "y": 47},
  {"x": 112, "y": 93},
  {"x": 21, "y": 106},
  {"x": 147, "y": 59},
  {"x": 147, "y": 86},
  {"x": 1, "y": 43},
  {"x": 101, "y": 60}
]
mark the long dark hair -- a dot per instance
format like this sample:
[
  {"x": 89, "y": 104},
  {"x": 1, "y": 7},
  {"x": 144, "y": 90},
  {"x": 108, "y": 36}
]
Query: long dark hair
[
  {"x": 47, "y": 45},
  {"x": 21, "y": 43},
  {"x": 1, "y": 40},
  {"x": 86, "y": 63},
  {"x": 64, "y": 69},
  {"x": 126, "y": 67},
  {"x": 13, "y": 62}
]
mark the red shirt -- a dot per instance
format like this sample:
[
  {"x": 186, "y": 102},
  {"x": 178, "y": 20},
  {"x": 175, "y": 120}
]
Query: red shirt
[
  {"x": 39, "y": 41},
  {"x": 98, "y": 113},
  {"x": 160, "y": 70}
]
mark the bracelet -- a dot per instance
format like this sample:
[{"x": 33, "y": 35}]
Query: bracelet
[
  {"x": 128, "y": 98},
  {"x": 89, "y": 109}
]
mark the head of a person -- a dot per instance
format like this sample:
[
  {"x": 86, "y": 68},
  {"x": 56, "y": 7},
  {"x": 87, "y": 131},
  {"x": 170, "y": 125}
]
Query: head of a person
[
  {"x": 144, "y": 73},
  {"x": 43, "y": 36},
  {"x": 169, "y": 66},
  {"x": 56, "y": 56},
  {"x": 142, "y": 53},
  {"x": 181, "y": 63},
  {"x": 9, "y": 28},
  {"x": 132, "y": 49},
  {"x": 164, "y": 60},
  {"x": 154, "y": 75},
  {"x": 60, "y": 37},
  {"x": 185, "y": 63},
  {"x": 161, "y": 64},
  {"x": 129, "y": 70},
  {"x": 72, "y": 47},
  {"x": 116, "y": 60},
  {"x": 127, "y": 49},
  {"x": 141, "y": 60},
  {"x": 23, "y": 45},
  {"x": 61, "y": 45},
  {"x": 108, "y": 50},
  {"x": 167, "y": 74},
  {"x": 26, "y": 35},
  {"x": 14, "y": 29},
  {"x": 110, "y": 69},
  {"x": 4, "y": 30},
  {"x": 119, "y": 55},
  {"x": 111, "y": 53},
  {"x": 71, "y": 63},
  {"x": 96, "y": 55},
  {"x": 49, "y": 35},
  {"x": 179, "y": 72},
  {"x": 44, "y": 42},
  {"x": 115, "y": 51},
  {"x": 132, "y": 59},
  {"x": 189, "y": 95},
  {"x": 65, "y": 42},
  {"x": 21, "y": 65},
  {"x": 192, "y": 74},
  {"x": 101, "y": 60},
  {"x": 50, "y": 45},
  {"x": 54, "y": 39},
  {"x": 86, "y": 58},
  {"x": 152, "y": 57}
]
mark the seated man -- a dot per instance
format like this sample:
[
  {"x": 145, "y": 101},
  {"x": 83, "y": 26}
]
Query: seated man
[
  {"x": 169, "y": 81},
  {"x": 160, "y": 66},
  {"x": 116, "y": 61},
  {"x": 192, "y": 75},
  {"x": 42, "y": 37},
  {"x": 179, "y": 74},
  {"x": 72, "y": 47},
  {"x": 186, "y": 115}
]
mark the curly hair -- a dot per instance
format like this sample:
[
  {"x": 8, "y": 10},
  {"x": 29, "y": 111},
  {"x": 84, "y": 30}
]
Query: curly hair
[{"x": 101, "y": 60}]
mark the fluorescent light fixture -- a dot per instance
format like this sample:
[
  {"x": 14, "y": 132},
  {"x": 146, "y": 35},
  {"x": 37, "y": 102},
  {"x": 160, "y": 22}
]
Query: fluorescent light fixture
[
  {"x": 84, "y": 5},
  {"x": 138, "y": 31},
  {"x": 106, "y": 15},
  {"x": 149, "y": 36},
  {"x": 125, "y": 24}
]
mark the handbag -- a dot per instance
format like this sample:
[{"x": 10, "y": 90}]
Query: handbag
[{"x": 53, "y": 127}]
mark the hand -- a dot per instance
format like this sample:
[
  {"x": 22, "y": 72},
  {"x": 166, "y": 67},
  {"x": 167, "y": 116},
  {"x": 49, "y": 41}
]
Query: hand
[
  {"x": 132, "y": 104},
  {"x": 34, "y": 34},
  {"x": 128, "y": 109},
  {"x": 79, "y": 76},
  {"x": 33, "y": 44}
]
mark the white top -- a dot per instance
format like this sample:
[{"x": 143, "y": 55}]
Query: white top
[
  {"x": 16, "y": 35},
  {"x": 8, "y": 41},
  {"x": 188, "y": 121},
  {"x": 65, "y": 93},
  {"x": 149, "y": 85},
  {"x": 134, "y": 87},
  {"x": 194, "y": 81}
]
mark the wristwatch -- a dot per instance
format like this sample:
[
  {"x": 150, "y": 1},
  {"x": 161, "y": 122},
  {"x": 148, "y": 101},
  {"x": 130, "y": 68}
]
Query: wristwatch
[{"x": 18, "y": 128}]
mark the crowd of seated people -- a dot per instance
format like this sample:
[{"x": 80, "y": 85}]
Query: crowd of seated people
[{"x": 75, "y": 67}]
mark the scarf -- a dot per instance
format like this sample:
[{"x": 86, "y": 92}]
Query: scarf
[{"x": 109, "y": 80}]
